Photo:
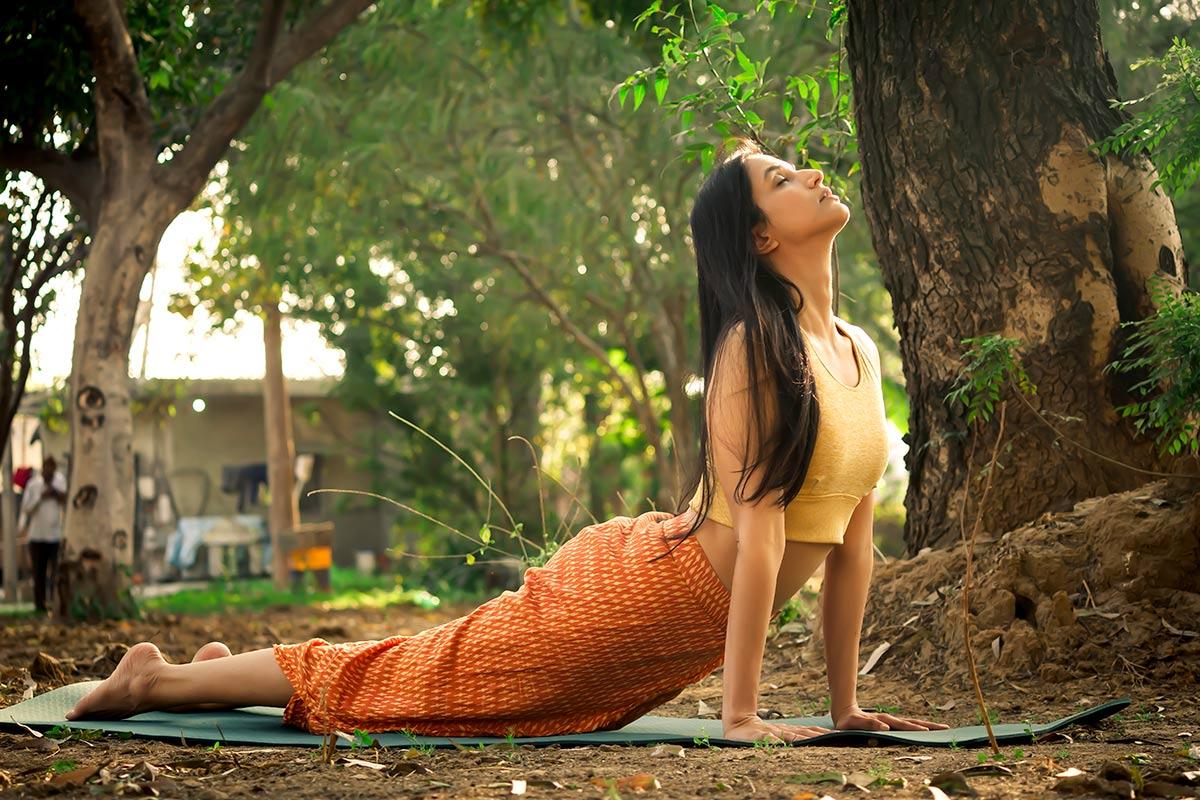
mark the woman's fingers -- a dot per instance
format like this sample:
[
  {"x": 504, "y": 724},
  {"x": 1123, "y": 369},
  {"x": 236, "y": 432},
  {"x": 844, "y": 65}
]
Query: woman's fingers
[
  {"x": 862, "y": 721},
  {"x": 802, "y": 731},
  {"x": 911, "y": 723}
]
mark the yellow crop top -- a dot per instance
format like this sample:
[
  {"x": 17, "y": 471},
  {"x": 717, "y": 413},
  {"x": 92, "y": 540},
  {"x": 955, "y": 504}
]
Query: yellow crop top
[{"x": 849, "y": 457}]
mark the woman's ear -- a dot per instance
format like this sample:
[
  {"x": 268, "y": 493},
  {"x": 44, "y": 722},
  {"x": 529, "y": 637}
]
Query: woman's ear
[{"x": 763, "y": 242}]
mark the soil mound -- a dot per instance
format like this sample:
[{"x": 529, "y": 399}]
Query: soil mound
[{"x": 1109, "y": 588}]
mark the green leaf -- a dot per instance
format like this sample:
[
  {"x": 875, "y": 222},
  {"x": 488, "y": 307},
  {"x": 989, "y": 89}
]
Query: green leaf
[
  {"x": 622, "y": 93},
  {"x": 744, "y": 61},
  {"x": 787, "y": 108},
  {"x": 660, "y": 88},
  {"x": 639, "y": 94}
]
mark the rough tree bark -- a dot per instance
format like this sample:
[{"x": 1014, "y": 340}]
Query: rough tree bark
[
  {"x": 128, "y": 201},
  {"x": 989, "y": 214}
]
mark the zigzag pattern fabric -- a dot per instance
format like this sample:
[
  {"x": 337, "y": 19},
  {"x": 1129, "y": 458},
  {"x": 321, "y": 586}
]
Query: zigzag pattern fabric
[{"x": 594, "y": 639}]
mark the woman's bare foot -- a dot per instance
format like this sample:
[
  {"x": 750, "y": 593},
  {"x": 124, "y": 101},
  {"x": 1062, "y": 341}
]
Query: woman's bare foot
[
  {"x": 206, "y": 653},
  {"x": 127, "y": 691},
  {"x": 210, "y": 651}
]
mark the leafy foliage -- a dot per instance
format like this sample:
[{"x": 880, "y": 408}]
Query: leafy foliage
[
  {"x": 186, "y": 53},
  {"x": 991, "y": 361},
  {"x": 491, "y": 244},
  {"x": 1168, "y": 344},
  {"x": 723, "y": 89},
  {"x": 40, "y": 240},
  {"x": 1176, "y": 153}
]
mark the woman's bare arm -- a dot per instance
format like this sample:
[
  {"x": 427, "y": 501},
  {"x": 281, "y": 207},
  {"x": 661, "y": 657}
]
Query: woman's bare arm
[
  {"x": 847, "y": 579},
  {"x": 758, "y": 527},
  {"x": 848, "y": 569}
]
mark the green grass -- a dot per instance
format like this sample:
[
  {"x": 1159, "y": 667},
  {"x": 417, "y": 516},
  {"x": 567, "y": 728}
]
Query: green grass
[
  {"x": 19, "y": 611},
  {"x": 349, "y": 589}
]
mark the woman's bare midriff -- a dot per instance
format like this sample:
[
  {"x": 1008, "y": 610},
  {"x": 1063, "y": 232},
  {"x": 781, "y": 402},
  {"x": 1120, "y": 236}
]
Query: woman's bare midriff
[{"x": 720, "y": 546}]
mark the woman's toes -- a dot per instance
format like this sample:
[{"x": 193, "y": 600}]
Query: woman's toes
[
  {"x": 127, "y": 690},
  {"x": 210, "y": 651}
]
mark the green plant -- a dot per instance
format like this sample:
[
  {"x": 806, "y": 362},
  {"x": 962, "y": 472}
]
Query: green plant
[
  {"x": 1063, "y": 754},
  {"x": 991, "y": 360},
  {"x": 1167, "y": 343},
  {"x": 738, "y": 96},
  {"x": 954, "y": 745},
  {"x": 801, "y": 605},
  {"x": 422, "y": 748},
  {"x": 993, "y": 717},
  {"x": 64, "y": 765},
  {"x": 769, "y": 744},
  {"x": 215, "y": 746},
  {"x": 882, "y": 771},
  {"x": 362, "y": 740},
  {"x": 1148, "y": 713},
  {"x": 64, "y": 732},
  {"x": 542, "y": 554},
  {"x": 1176, "y": 158}
]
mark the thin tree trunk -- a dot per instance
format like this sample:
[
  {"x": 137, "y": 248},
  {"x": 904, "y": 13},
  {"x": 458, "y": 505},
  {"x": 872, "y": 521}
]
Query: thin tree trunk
[
  {"x": 281, "y": 449},
  {"x": 8, "y": 522},
  {"x": 592, "y": 417},
  {"x": 989, "y": 215}
]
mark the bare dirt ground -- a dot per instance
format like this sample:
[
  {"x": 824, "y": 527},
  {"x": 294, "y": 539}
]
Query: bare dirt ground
[{"x": 1091, "y": 604}]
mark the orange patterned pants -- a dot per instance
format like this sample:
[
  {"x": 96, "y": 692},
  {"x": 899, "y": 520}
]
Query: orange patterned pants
[{"x": 591, "y": 641}]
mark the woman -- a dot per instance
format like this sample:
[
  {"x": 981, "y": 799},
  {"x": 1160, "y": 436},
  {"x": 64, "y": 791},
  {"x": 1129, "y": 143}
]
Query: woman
[{"x": 631, "y": 611}]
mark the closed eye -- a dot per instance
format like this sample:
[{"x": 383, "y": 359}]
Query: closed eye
[{"x": 782, "y": 180}]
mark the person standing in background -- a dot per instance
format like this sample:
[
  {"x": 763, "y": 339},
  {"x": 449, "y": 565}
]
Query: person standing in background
[{"x": 42, "y": 505}]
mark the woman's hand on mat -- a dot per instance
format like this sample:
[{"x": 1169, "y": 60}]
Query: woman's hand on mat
[
  {"x": 752, "y": 728},
  {"x": 855, "y": 719}
]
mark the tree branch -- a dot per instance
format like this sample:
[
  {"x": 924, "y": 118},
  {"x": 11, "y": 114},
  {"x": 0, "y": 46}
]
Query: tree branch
[
  {"x": 122, "y": 108},
  {"x": 76, "y": 176},
  {"x": 270, "y": 61}
]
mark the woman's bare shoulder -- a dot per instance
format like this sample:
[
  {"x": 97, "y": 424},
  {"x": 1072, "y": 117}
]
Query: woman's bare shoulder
[{"x": 864, "y": 339}]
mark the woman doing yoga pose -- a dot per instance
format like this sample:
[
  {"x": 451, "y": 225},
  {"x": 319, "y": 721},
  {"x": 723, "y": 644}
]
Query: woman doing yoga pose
[{"x": 632, "y": 610}]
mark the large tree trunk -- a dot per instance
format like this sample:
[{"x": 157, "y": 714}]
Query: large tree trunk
[
  {"x": 98, "y": 541},
  {"x": 989, "y": 215}
]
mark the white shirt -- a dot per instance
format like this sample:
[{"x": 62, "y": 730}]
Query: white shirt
[{"x": 43, "y": 518}]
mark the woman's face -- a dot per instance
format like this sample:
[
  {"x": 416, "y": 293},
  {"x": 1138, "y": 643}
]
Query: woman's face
[{"x": 799, "y": 207}]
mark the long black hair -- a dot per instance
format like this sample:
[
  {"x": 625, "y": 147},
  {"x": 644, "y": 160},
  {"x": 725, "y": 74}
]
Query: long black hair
[{"x": 738, "y": 288}]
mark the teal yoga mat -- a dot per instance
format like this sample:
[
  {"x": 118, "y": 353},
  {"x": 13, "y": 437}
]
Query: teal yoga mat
[{"x": 263, "y": 726}]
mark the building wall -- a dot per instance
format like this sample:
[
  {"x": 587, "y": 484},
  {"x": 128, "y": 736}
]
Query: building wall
[{"x": 194, "y": 446}]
